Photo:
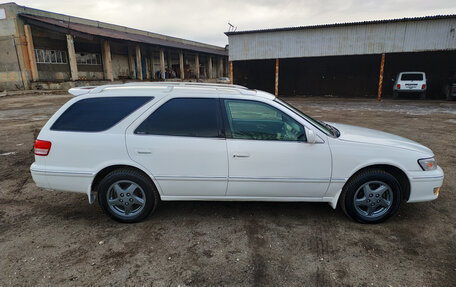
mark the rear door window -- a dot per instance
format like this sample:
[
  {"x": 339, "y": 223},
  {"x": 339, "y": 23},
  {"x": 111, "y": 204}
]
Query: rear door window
[
  {"x": 97, "y": 114},
  {"x": 412, "y": 77},
  {"x": 194, "y": 117}
]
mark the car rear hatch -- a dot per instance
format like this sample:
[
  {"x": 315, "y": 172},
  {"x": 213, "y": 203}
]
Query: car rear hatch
[{"x": 412, "y": 81}]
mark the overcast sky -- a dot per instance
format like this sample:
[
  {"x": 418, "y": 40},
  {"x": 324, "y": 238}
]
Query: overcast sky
[{"x": 205, "y": 20}]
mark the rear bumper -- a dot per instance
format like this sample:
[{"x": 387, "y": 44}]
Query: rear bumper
[
  {"x": 410, "y": 91},
  {"x": 39, "y": 177},
  {"x": 72, "y": 181},
  {"x": 422, "y": 186}
]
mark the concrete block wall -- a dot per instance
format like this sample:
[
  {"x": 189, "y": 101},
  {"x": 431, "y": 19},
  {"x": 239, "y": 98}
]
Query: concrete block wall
[
  {"x": 120, "y": 66},
  {"x": 12, "y": 77}
]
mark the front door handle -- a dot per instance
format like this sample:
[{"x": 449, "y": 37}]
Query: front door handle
[
  {"x": 241, "y": 155},
  {"x": 143, "y": 151}
]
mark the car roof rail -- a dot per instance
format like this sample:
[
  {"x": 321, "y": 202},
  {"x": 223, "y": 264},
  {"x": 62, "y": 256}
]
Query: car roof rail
[
  {"x": 184, "y": 84},
  {"x": 168, "y": 86},
  {"x": 77, "y": 91}
]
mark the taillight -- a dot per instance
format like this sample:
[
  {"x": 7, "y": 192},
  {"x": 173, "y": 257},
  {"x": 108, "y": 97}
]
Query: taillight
[
  {"x": 398, "y": 86},
  {"x": 42, "y": 147},
  {"x": 423, "y": 86}
]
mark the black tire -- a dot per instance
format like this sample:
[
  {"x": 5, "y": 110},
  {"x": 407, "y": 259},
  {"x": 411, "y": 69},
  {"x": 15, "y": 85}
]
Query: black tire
[
  {"x": 395, "y": 95},
  {"x": 133, "y": 196},
  {"x": 355, "y": 188},
  {"x": 423, "y": 96}
]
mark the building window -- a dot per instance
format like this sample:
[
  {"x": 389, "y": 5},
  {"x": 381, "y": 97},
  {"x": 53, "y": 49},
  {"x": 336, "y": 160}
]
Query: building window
[
  {"x": 44, "y": 56},
  {"x": 88, "y": 59}
]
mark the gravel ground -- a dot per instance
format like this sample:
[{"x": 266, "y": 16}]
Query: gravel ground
[{"x": 56, "y": 238}]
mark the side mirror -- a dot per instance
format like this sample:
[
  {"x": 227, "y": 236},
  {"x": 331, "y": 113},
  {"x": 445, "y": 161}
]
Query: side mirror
[{"x": 311, "y": 137}]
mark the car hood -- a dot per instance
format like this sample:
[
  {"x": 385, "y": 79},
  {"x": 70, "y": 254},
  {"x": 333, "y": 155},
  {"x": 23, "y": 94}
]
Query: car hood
[{"x": 370, "y": 136}]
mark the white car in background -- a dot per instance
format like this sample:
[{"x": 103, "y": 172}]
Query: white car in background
[
  {"x": 136, "y": 144},
  {"x": 410, "y": 82}
]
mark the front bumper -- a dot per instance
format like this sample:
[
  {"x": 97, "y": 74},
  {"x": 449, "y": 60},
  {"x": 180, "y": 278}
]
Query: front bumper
[{"x": 422, "y": 185}]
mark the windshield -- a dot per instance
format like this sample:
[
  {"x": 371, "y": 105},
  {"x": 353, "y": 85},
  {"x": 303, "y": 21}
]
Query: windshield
[{"x": 324, "y": 127}]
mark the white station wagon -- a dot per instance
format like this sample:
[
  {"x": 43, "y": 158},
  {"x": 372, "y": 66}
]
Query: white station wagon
[{"x": 136, "y": 144}]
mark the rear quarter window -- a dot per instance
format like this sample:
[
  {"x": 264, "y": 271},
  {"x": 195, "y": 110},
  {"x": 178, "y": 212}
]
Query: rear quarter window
[{"x": 97, "y": 114}]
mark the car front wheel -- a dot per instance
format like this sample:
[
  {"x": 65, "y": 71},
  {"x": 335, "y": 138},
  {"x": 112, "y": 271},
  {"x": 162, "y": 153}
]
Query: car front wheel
[
  {"x": 371, "y": 196},
  {"x": 127, "y": 195}
]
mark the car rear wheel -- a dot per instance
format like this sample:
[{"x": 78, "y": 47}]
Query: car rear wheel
[
  {"x": 371, "y": 196},
  {"x": 127, "y": 195}
]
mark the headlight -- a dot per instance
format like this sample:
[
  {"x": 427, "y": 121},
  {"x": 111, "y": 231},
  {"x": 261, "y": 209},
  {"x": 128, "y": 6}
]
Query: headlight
[{"x": 427, "y": 163}]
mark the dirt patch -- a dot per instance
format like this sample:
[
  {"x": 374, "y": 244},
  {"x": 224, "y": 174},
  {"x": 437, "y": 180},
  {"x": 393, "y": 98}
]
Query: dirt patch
[{"x": 57, "y": 238}]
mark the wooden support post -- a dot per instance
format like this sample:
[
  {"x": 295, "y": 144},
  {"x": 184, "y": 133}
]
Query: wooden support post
[
  {"x": 231, "y": 73},
  {"x": 131, "y": 63},
  {"x": 72, "y": 58},
  {"x": 380, "y": 79},
  {"x": 220, "y": 66},
  {"x": 197, "y": 67},
  {"x": 162, "y": 63},
  {"x": 31, "y": 52},
  {"x": 209, "y": 67},
  {"x": 107, "y": 61},
  {"x": 276, "y": 78},
  {"x": 181, "y": 65},
  {"x": 139, "y": 74}
]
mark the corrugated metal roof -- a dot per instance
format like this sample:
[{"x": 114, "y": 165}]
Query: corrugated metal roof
[
  {"x": 435, "y": 34},
  {"x": 113, "y": 34},
  {"x": 342, "y": 24}
]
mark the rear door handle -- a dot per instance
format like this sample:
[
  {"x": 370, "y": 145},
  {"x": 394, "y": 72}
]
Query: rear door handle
[
  {"x": 241, "y": 155},
  {"x": 143, "y": 151}
]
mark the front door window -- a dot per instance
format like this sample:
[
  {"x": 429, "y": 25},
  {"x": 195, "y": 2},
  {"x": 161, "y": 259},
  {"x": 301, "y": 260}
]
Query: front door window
[{"x": 258, "y": 121}]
